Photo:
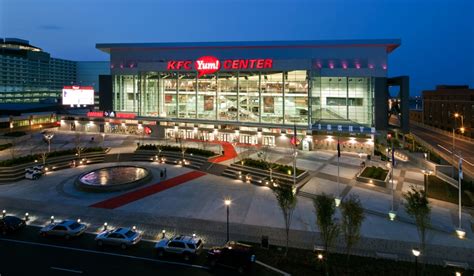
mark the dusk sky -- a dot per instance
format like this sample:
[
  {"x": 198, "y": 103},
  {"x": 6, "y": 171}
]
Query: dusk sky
[{"x": 437, "y": 36}]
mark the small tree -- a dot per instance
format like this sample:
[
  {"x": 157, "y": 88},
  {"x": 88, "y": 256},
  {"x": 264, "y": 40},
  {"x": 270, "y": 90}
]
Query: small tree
[
  {"x": 352, "y": 218},
  {"x": 417, "y": 206},
  {"x": 44, "y": 156},
  {"x": 287, "y": 202},
  {"x": 325, "y": 211}
]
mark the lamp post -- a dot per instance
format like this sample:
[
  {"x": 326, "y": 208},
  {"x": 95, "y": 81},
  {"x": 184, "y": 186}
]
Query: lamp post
[
  {"x": 456, "y": 115},
  {"x": 459, "y": 231},
  {"x": 227, "y": 204},
  {"x": 48, "y": 137},
  {"x": 416, "y": 252},
  {"x": 426, "y": 173}
]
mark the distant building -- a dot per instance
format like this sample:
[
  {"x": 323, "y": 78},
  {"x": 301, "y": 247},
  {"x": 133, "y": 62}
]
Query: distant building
[
  {"x": 440, "y": 105},
  {"x": 30, "y": 75},
  {"x": 88, "y": 72},
  {"x": 416, "y": 115}
]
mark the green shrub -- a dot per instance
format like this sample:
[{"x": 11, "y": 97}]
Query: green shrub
[
  {"x": 31, "y": 158},
  {"x": 375, "y": 173},
  {"x": 259, "y": 164},
  {"x": 15, "y": 134},
  {"x": 194, "y": 151}
]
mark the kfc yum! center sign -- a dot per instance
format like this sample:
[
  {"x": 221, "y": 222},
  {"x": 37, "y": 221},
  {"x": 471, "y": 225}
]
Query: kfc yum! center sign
[{"x": 209, "y": 64}]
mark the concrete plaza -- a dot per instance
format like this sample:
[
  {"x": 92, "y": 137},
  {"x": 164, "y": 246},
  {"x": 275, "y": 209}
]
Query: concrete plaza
[{"x": 198, "y": 205}]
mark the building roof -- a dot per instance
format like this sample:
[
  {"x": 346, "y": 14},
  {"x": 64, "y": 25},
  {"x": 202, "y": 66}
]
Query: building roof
[{"x": 389, "y": 44}]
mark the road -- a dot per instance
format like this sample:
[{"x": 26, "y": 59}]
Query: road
[
  {"x": 444, "y": 143},
  {"x": 26, "y": 253}
]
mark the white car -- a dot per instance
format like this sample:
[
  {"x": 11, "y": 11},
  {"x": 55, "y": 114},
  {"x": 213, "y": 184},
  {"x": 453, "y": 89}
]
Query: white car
[
  {"x": 32, "y": 174},
  {"x": 186, "y": 246},
  {"x": 65, "y": 228},
  {"x": 124, "y": 237}
]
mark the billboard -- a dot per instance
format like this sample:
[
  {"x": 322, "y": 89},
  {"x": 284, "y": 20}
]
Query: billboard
[{"x": 78, "y": 95}]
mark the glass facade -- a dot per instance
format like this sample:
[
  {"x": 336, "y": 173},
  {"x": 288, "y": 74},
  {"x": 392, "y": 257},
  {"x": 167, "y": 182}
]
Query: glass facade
[
  {"x": 345, "y": 100},
  {"x": 270, "y": 97}
]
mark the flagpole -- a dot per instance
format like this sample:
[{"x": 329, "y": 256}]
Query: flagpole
[
  {"x": 460, "y": 188},
  {"x": 294, "y": 155},
  {"x": 338, "y": 198}
]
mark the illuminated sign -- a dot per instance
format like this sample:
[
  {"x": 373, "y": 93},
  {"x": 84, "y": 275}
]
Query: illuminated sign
[
  {"x": 111, "y": 114},
  {"x": 78, "y": 95},
  {"x": 209, "y": 64}
]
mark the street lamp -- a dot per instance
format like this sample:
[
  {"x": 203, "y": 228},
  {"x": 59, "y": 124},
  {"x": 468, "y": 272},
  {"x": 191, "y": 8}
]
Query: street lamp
[
  {"x": 462, "y": 129},
  {"x": 426, "y": 173},
  {"x": 416, "y": 252},
  {"x": 48, "y": 137},
  {"x": 227, "y": 203}
]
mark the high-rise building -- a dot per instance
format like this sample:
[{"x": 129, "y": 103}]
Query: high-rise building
[{"x": 30, "y": 75}]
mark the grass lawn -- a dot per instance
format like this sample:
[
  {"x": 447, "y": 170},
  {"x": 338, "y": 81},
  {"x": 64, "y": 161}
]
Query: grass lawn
[
  {"x": 304, "y": 262},
  {"x": 441, "y": 190},
  {"x": 374, "y": 173}
]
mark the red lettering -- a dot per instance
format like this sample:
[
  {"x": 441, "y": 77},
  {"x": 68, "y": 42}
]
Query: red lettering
[
  {"x": 179, "y": 64},
  {"x": 252, "y": 63},
  {"x": 227, "y": 64},
  {"x": 235, "y": 64},
  {"x": 171, "y": 65},
  {"x": 187, "y": 65},
  {"x": 244, "y": 63},
  {"x": 259, "y": 63},
  {"x": 268, "y": 63}
]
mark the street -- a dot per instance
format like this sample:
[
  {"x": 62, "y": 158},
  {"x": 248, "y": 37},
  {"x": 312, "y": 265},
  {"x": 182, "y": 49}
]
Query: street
[
  {"x": 27, "y": 253},
  {"x": 444, "y": 143}
]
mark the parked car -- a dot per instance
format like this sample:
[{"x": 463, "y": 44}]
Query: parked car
[
  {"x": 124, "y": 237},
  {"x": 186, "y": 246},
  {"x": 32, "y": 174},
  {"x": 233, "y": 255},
  {"x": 65, "y": 228},
  {"x": 10, "y": 224}
]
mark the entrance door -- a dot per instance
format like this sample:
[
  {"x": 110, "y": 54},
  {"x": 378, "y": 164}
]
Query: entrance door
[
  {"x": 227, "y": 137},
  {"x": 269, "y": 140}
]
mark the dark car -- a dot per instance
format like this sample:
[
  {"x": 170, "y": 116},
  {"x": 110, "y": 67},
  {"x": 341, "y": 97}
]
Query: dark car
[
  {"x": 10, "y": 224},
  {"x": 233, "y": 255}
]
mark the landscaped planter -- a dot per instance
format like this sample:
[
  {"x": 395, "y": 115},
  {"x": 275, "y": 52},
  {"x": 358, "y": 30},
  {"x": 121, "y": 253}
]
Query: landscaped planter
[
  {"x": 376, "y": 181},
  {"x": 285, "y": 178}
]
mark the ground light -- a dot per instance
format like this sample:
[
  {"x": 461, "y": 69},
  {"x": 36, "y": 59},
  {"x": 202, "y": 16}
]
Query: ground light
[
  {"x": 52, "y": 219},
  {"x": 227, "y": 203},
  {"x": 78, "y": 220},
  {"x": 337, "y": 201},
  {"x": 460, "y": 233},
  {"x": 392, "y": 215},
  {"x": 4, "y": 213},
  {"x": 416, "y": 252},
  {"x": 163, "y": 233}
]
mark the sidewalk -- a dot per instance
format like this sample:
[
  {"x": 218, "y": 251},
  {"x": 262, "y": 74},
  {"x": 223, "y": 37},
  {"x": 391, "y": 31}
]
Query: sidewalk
[{"x": 214, "y": 232}]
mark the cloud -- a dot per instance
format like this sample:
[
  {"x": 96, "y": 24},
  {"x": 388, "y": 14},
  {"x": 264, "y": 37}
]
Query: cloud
[{"x": 50, "y": 27}]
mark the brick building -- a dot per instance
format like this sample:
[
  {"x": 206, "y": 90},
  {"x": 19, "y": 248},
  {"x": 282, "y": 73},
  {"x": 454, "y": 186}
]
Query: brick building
[{"x": 440, "y": 105}]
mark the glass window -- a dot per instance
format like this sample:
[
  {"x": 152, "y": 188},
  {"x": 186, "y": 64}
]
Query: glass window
[
  {"x": 187, "y": 95},
  {"x": 149, "y": 99},
  {"x": 296, "y": 97},
  {"x": 206, "y": 105},
  {"x": 227, "y": 96},
  {"x": 272, "y": 97},
  {"x": 168, "y": 94},
  {"x": 249, "y": 100}
]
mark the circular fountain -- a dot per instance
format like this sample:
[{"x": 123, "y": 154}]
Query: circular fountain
[{"x": 110, "y": 179}]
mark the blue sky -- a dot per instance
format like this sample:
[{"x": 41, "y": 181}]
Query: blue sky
[{"x": 437, "y": 35}]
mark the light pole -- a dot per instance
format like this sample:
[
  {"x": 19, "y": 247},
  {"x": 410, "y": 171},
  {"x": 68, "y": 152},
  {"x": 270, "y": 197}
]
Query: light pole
[
  {"x": 460, "y": 232},
  {"x": 227, "y": 204},
  {"x": 416, "y": 252},
  {"x": 456, "y": 115},
  {"x": 48, "y": 137},
  {"x": 426, "y": 173}
]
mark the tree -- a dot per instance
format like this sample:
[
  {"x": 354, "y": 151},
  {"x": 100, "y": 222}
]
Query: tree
[
  {"x": 77, "y": 144},
  {"x": 287, "y": 202},
  {"x": 417, "y": 206},
  {"x": 352, "y": 218},
  {"x": 325, "y": 210}
]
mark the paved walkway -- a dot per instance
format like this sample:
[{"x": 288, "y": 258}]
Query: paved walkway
[{"x": 135, "y": 195}]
